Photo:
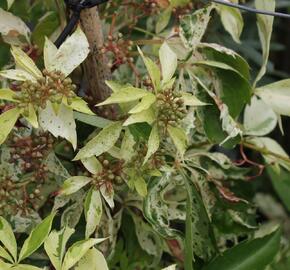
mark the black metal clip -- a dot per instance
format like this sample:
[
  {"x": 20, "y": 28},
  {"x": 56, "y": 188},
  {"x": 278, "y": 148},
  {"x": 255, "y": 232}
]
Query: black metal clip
[{"x": 76, "y": 6}]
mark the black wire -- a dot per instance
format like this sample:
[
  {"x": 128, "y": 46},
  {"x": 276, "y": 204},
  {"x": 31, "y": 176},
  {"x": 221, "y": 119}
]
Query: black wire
[
  {"x": 76, "y": 6},
  {"x": 252, "y": 10}
]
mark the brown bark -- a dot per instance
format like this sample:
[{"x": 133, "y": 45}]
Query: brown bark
[{"x": 96, "y": 69}]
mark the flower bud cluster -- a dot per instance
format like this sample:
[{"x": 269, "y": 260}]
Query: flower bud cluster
[
  {"x": 53, "y": 86},
  {"x": 171, "y": 108},
  {"x": 112, "y": 172},
  {"x": 31, "y": 150},
  {"x": 119, "y": 49}
]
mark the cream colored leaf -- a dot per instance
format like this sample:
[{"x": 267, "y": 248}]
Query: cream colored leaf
[
  {"x": 7, "y": 122},
  {"x": 71, "y": 53},
  {"x": 232, "y": 21},
  {"x": 61, "y": 125},
  {"x": 12, "y": 26},
  {"x": 101, "y": 143},
  {"x": 17, "y": 75},
  {"x": 265, "y": 27},
  {"x": 179, "y": 138},
  {"x": 55, "y": 244},
  {"x": 93, "y": 260},
  {"x": 152, "y": 68},
  {"x": 92, "y": 164},
  {"x": 93, "y": 210},
  {"x": 49, "y": 53},
  {"x": 153, "y": 143},
  {"x": 144, "y": 116},
  {"x": 78, "y": 104},
  {"x": 108, "y": 195},
  {"x": 74, "y": 184},
  {"x": 8, "y": 94},
  {"x": 24, "y": 62},
  {"x": 168, "y": 60},
  {"x": 191, "y": 100},
  {"x": 124, "y": 95},
  {"x": 145, "y": 103},
  {"x": 32, "y": 117},
  {"x": 77, "y": 251}
]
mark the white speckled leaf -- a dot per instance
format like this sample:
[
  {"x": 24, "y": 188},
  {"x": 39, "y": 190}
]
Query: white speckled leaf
[
  {"x": 71, "y": 53},
  {"x": 10, "y": 25},
  {"x": 49, "y": 53},
  {"x": 108, "y": 195},
  {"x": 93, "y": 211},
  {"x": 17, "y": 75},
  {"x": 103, "y": 142},
  {"x": 61, "y": 125}
]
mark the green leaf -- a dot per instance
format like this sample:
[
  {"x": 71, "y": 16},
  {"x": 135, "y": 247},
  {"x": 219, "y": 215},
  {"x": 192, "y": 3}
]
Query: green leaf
[
  {"x": 10, "y": 3},
  {"x": 153, "y": 143},
  {"x": 25, "y": 267},
  {"x": 55, "y": 244},
  {"x": 5, "y": 255},
  {"x": 124, "y": 95},
  {"x": 145, "y": 104},
  {"x": 93, "y": 209},
  {"x": 77, "y": 251},
  {"x": 276, "y": 96},
  {"x": 24, "y": 62},
  {"x": 193, "y": 27},
  {"x": 7, "y": 122},
  {"x": 5, "y": 266},
  {"x": 140, "y": 186},
  {"x": 281, "y": 183},
  {"x": 76, "y": 45},
  {"x": 163, "y": 19},
  {"x": 259, "y": 118},
  {"x": 73, "y": 184},
  {"x": 7, "y": 238},
  {"x": 7, "y": 94},
  {"x": 147, "y": 116},
  {"x": 265, "y": 27},
  {"x": 179, "y": 138},
  {"x": 152, "y": 69},
  {"x": 218, "y": 53},
  {"x": 232, "y": 21},
  {"x": 93, "y": 260},
  {"x": 168, "y": 60},
  {"x": 36, "y": 237},
  {"x": 103, "y": 142},
  {"x": 255, "y": 254},
  {"x": 45, "y": 28}
]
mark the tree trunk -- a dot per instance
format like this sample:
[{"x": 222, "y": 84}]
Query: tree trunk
[{"x": 96, "y": 69}]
